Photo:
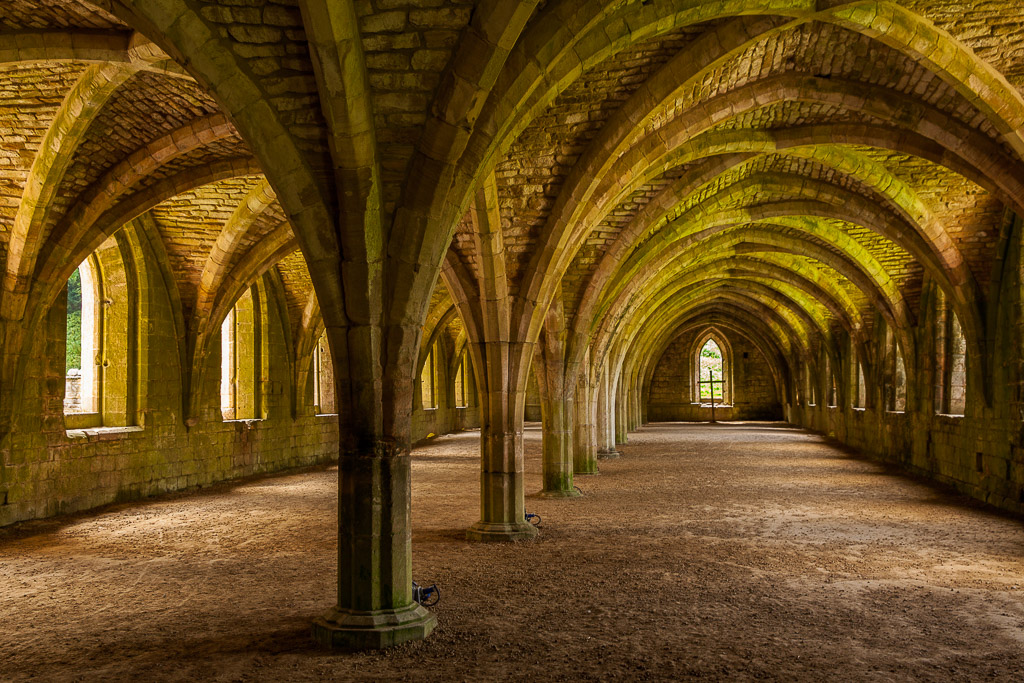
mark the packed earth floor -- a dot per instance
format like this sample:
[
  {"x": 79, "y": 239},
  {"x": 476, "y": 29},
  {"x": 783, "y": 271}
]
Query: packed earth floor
[{"x": 732, "y": 552}]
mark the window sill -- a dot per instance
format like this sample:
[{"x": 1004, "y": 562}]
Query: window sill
[
  {"x": 249, "y": 422},
  {"x": 101, "y": 432},
  {"x": 326, "y": 415}
]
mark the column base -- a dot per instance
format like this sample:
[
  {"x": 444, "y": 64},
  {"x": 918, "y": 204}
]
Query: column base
[
  {"x": 587, "y": 472},
  {"x": 349, "y": 630},
  {"x": 608, "y": 455},
  {"x": 501, "y": 532}
]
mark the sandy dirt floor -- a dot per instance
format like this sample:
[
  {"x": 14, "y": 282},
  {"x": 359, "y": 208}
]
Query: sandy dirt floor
[{"x": 730, "y": 552}]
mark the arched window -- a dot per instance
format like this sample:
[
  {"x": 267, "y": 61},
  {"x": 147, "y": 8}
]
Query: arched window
[
  {"x": 895, "y": 375},
  {"x": 461, "y": 383},
  {"x": 860, "y": 393},
  {"x": 957, "y": 380},
  {"x": 81, "y": 395},
  {"x": 711, "y": 373},
  {"x": 950, "y": 361},
  {"x": 241, "y": 359},
  {"x": 900, "y": 402},
  {"x": 830, "y": 384},
  {"x": 428, "y": 381},
  {"x": 323, "y": 378},
  {"x": 101, "y": 341}
]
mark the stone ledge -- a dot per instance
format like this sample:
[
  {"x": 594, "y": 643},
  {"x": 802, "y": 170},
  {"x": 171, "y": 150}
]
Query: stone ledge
[
  {"x": 102, "y": 433},
  {"x": 248, "y": 423}
]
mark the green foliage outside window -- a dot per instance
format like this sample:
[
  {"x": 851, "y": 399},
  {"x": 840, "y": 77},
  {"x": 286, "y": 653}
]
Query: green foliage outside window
[
  {"x": 74, "y": 337},
  {"x": 711, "y": 373}
]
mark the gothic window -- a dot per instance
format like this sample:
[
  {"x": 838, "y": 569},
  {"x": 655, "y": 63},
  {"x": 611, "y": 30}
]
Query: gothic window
[
  {"x": 241, "y": 359},
  {"x": 428, "y": 381},
  {"x": 860, "y": 393},
  {"x": 101, "y": 342},
  {"x": 957, "y": 378},
  {"x": 895, "y": 375},
  {"x": 950, "y": 361},
  {"x": 712, "y": 372},
  {"x": 461, "y": 393},
  {"x": 81, "y": 394},
  {"x": 830, "y": 384},
  {"x": 323, "y": 378}
]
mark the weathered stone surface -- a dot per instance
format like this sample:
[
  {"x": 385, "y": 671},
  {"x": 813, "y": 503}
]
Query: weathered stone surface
[{"x": 409, "y": 190}]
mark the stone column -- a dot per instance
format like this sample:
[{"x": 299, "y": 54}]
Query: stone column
[
  {"x": 584, "y": 451},
  {"x": 375, "y": 607},
  {"x": 634, "y": 409},
  {"x": 557, "y": 448},
  {"x": 621, "y": 413},
  {"x": 605, "y": 421},
  {"x": 498, "y": 361},
  {"x": 502, "y": 513},
  {"x": 556, "y": 407}
]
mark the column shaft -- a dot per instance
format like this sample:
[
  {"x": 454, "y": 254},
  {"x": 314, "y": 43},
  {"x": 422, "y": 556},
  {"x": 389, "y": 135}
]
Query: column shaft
[
  {"x": 557, "y": 446},
  {"x": 502, "y": 513},
  {"x": 375, "y": 607},
  {"x": 621, "y": 413},
  {"x": 605, "y": 421},
  {"x": 584, "y": 452}
]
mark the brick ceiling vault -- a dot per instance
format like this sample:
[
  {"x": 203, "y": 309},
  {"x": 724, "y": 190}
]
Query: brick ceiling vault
[{"x": 606, "y": 172}]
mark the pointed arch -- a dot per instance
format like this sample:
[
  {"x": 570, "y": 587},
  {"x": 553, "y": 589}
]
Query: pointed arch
[{"x": 712, "y": 340}]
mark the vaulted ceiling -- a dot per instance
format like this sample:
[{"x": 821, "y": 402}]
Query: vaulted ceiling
[{"x": 800, "y": 169}]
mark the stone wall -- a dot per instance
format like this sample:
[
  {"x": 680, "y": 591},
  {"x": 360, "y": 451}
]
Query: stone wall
[
  {"x": 48, "y": 470},
  {"x": 446, "y": 417},
  {"x": 670, "y": 392},
  {"x": 979, "y": 453}
]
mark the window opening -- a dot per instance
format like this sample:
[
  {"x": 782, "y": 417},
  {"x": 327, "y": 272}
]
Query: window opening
[
  {"x": 830, "y": 386},
  {"x": 102, "y": 340},
  {"x": 711, "y": 373},
  {"x": 73, "y": 355},
  {"x": 860, "y": 400},
  {"x": 73, "y": 345},
  {"x": 894, "y": 376},
  {"x": 323, "y": 378},
  {"x": 460, "y": 383},
  {"x": 241, "y": 367},
  {"x": 957, "y": 369},
  {"x": 901, "y": 383},
  {"x": 950, "y": 361},
  {"x": 82, "y": 391},
  {"x": 227, "y": 366},
  {"x": 428, "y": 378}
]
